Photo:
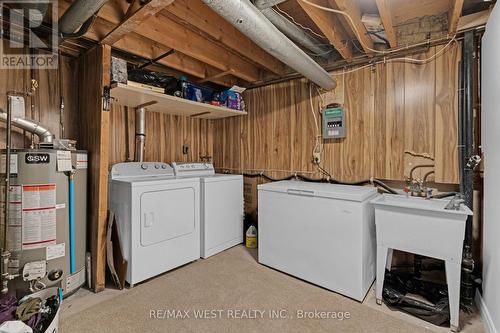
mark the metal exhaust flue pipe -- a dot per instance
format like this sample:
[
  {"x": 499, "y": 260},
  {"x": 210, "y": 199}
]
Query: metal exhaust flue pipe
[
  {"x": 252, "y": 23},
  {"x": 43, "y": 133},
  {"x": 140, "y": 133}
]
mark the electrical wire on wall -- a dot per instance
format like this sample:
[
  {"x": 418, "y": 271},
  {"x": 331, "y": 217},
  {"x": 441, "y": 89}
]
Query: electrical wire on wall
[
  {"x": 358, "y": 34},
  {"x": 290, "y": 17}
]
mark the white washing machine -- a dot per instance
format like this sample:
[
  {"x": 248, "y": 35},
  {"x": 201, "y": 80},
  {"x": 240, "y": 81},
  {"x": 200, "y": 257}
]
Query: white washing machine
[
  {"x": 221, "y": 223},
  {"x": 158, "y": 217}
]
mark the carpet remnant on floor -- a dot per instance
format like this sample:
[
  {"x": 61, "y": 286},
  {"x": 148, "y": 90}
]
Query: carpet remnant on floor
[{"x": 231, "y": 292}]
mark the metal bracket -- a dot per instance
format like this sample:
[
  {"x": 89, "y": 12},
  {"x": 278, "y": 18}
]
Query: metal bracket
[{"x": 106, "y": 98}]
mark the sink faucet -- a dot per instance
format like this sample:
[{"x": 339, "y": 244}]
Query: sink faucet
[{"x": 455, "y": 202}]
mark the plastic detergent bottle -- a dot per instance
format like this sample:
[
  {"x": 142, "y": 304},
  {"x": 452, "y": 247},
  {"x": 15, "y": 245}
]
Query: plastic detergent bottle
[{"x": 251, "y": 237}]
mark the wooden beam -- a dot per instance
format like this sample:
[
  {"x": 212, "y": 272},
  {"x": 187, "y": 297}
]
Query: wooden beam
[
  {"x": 172, "y": 34},
  {"x": 325, "y": 22},
  {"x": 351, "y": 8},
  {"x": 454, "y": 14},
  {"x": 384, "y": 10},
  {"x": 215, "y": 76},
  {"x": 94, "y": 75},
  {"x": 195, "y": 13},
  {"x": 473, "y": 20},
  {"x": 149, "y": 49},
  {"x": 133, "y": 19}
]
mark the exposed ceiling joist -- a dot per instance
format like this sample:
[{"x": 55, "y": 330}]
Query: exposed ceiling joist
[
  {"x": 149, "y": 49},
  {"x": 329, "y": 27},
  {"x": 194, "y": 45},
  {"x": 351, "y": 8},
  {"x": 473, "y": 20},
  {"x": 454, "y": 14},
  {"x": 134, "y": 18},
  {"x": 195, "y": 13},
  {"x": 174, "y": 35},
  {"x": 384, "y": 10},
  {"x": 215, "y": 76}
]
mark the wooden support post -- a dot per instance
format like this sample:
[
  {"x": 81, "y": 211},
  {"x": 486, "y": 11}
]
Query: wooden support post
[{"x": 94, "y": 75}]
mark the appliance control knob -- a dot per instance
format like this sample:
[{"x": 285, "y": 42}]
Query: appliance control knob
[
  {"x": 144, "y": 166},
  {"x": 163, "y": 166},
  {"x": 55, "y": 274},
  {"x": 157, "y": 166}
]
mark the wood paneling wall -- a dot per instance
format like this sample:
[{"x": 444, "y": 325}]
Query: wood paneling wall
[
  {"x": 165, "y": 136},
  {"x": 391, "y": 109},
  {"x": 46, "y": 101}
]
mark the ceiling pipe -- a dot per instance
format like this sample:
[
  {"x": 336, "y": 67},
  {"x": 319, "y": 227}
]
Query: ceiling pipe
[
  {"x": 77, "y": 14},
  {"x": 263, "y": 4},
  {"x": 252, "y": 23},
  {"x": 290, "y": 29}
]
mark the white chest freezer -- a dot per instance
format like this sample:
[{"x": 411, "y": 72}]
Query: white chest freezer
[{"x": 321, "y": 233}]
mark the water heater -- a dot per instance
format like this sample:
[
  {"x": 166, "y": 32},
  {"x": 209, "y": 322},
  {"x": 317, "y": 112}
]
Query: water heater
[{"x": 47, "y": 218}]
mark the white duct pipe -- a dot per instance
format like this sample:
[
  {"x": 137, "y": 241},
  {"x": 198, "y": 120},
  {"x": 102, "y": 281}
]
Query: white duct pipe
[
  {"x": 43, "y": 133},
  {"x": 295, "y": 33},
  {"x": 290, "y": 29},
  {"x": 263, "y": 4},
  {"x": 252, "y": 23},
  {"x": 79, "y": 12}
]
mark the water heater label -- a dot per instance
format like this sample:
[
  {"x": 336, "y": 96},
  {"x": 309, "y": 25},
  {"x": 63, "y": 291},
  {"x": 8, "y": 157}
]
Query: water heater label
[
  {"x": 34, "y": 270},
  {"x": 37, "y": 158},
  {"x": 55, "y": 251},
  {"x": 13, "y": 163},
  {"x": 76, "y": 280},
  {"x": 15, "y": 216},
  {"x": 39, "y": 216},
  {"x": 64, "y": 161},
  {"x": 81, "y": 161}
]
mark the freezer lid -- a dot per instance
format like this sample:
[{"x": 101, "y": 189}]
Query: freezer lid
[{"x": 324, "y": 190}]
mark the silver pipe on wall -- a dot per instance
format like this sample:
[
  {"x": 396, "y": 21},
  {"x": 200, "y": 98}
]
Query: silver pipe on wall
[
  {"x": 291, "y": 30},
  {"x": 140, "y": 133},
  {"x": 43, "y": 133},
  {"x": 79, "y": 12},
  {"x": 252, "y": 23}
]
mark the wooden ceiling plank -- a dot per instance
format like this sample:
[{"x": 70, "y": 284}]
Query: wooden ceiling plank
[
  {"x": 326, "y": 24},
  {"x": 174, "y": 35},
  {"x": 384, "y": 10},
  {"x": 195, "y": 13},
  {"x": 133, "y": 19},
  {"x": 135, "y": 44},
  {"x": 186, "y": 41},
  {"x": 454, "y": 14},
  {"x": 221, "y": 74},
  {"x": 351, "y": 8},
  {"x": 473, "y": 20},
  {"x": 178, "y": 61}
]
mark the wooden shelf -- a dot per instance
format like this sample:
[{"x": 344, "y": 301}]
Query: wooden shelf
[{"x": 123, "y": 94}]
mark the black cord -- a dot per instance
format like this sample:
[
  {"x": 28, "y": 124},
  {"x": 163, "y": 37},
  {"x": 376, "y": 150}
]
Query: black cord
[{"x": 375, "y": 182}]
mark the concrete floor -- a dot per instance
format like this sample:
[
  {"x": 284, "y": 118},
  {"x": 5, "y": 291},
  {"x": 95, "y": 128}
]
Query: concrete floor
[{"x": 228, "y": 281}]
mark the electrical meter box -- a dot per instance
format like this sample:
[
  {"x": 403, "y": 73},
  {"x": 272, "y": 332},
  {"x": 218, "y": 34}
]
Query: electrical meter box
[{"x": 334, "y": 123}]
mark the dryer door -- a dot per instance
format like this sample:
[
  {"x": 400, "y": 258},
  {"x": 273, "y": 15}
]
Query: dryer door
[{"x": 167, "y": 214}]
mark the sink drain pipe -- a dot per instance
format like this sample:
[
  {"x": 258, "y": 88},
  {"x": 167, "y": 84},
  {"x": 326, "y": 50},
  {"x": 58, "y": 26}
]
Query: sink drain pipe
[{"x": 466, "y": 151}]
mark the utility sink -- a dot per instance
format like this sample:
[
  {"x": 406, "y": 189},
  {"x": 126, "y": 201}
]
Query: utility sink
[
  {"x": 421, "y": 226},
  {"x": 416, "y": 203}
]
